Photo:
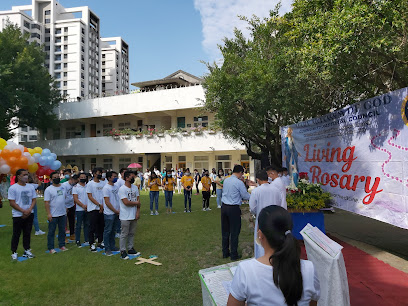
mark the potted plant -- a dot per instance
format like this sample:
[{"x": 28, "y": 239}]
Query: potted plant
[
  {"x": 127, "y": 133},
  {"x": 304, "y": 203},
  {"x": 139, "y": 134},
  {"x": 160, "y": 132},
  {"x": 173, "y": 132},
  {"x": 198, "y": 130},
  {"x": 185, "y": 132},
  {"x": 115, "y": 133},
  {"x": 150, "y": 132}
]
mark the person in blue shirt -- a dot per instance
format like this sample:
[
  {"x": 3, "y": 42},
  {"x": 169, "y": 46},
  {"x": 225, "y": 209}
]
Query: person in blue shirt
[{"x": 234, "y": 191}]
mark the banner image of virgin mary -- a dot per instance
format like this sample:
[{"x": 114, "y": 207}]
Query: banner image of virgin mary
[{"x": 291, "y": 156}]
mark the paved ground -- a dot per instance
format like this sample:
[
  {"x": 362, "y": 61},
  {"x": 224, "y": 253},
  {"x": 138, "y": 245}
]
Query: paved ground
[{"x": 384, "y": 241}]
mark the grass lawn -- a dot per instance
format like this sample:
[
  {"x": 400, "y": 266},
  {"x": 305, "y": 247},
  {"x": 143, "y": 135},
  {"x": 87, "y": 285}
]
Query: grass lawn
[{"x": 183, "y": 242}]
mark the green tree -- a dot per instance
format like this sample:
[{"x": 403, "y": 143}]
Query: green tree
[
  {"x": 323, "y": 55},
  {"x": 28, "y": 93}
]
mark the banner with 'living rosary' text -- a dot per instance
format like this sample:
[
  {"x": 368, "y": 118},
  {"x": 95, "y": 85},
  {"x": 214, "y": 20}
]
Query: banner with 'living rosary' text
[{"x": 359, "y": 154}]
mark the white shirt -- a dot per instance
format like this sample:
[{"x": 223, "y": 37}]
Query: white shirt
[
  {"x": 120, "y": 182},
  {"x": 146, "y": 175},
  {"x": 110, "y": 192},
  {"x": 128, "y": 212},
  {"x": 69, "y": 199},
  {"x": 104, "y": 182},
  {"x": 261, "y": 197},
  {"x": 280, "y": 184},
  {"x": 286, "y": 179},
  {"x": 96, "y": 190},
  {"x": 56, "y": 197},
  {"x": 23, "y": 195},
  {"x": 82, "y": 195},
  {"x": 253, "y": 282},
  {"x": 174, "y": 175}
]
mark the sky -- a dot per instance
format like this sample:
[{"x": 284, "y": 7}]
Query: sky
[{"x": 165, "y": 36}]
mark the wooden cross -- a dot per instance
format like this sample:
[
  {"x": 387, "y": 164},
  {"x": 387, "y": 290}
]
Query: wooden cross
[{"x": 150, "y": 261}]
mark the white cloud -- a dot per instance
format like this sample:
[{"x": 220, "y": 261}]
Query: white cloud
[{"x": 220, "y": 17}]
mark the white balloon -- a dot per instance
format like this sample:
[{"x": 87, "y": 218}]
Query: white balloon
[
  {"x": 21, "y": 148},
  {"x": 31, "y": 160},
  {"x": 2, "y": 162},
  {"x": 26, "y": 154},
  {"x": 4, "y": 169}
]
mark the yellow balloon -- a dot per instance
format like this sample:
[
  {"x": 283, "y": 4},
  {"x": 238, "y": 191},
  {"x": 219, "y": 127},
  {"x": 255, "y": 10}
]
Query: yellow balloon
[
  {"x": 38, "y": 150},
  {"x": 33, "y": 168},
  {"x": 3, "y": 143},
  {"x": 31, "y": 151}
]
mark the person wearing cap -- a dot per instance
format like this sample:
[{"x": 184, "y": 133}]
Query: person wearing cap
[{"x": 234, "y": 191}]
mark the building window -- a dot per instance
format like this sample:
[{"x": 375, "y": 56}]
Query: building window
[
  {"x": 65, "y": 47},
  {"x": 57, "y": 31},
  {"x": 124, "y": 162},
  {"x": 65, "y": 74},
  {"x": 57, "y": 66},
  {"x": 32, "y": 129},
  {"x": 57, "y": 40},
  {"x": 35, "y": 26},
  {"x": 181, "y": 158},
  {"x": 65, "y": 65},
  {"x": 65, "y": 83},
  {"x": 66, "y": 29},
  {"x": 57, "y": 75},
  {"x": 203, "y": 121},
  {"x": 58, "y": 57},
  {"x": 65, "y": 38},
  {"x": 26, "y": 24},
  {"x": 32, "y": 137},
  {"x": 107, "y": 163},
  {"x": 47, "y": 31},
  {"x": 47, "y": 12},
  {"x": 65, "y": 92},
  {"x": 24, "y": 129},
  {"x": 65, "y": 56},
  {"x": 124, "y": 125},
  {"x": 70, "y": 132},
  {"x": 57, "y": 48},
  {"x": 106, "y": 128},
  {"x": 47, "y": 39},
  {"x": 35, "y": 35},
  {"x": 23, "y": 138}
]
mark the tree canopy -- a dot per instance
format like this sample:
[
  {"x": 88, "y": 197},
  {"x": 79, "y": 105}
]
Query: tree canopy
[
  {"x": 28, "y": 94},
  {"x": 321, "y": 56}
]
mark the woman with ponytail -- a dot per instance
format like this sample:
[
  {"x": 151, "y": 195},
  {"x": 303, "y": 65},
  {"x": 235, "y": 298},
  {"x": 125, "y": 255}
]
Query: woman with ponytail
[{"x": 279, "y": 277}]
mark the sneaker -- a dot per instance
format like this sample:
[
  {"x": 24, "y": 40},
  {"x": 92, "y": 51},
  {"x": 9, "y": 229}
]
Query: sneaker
[
  {"x": 123, "y": 255},
  {"x": 78, "y": 243},
  {"x": 204, "y": 209},
  {"x": 132, "y": 251},
  {"x": 189, "y": 210},
  {"x": 108, "y": 253},
  {"x": 28, "y": 254},
  {"x": 52, "y": 251},
  {"x": 185, "y": 210},
  {"x": 93, "y": 248},
  {"x": 117, "y": 235},
  {"x": 218, "y": 206},
  {"x": 63, "y": 249},
  {"x": 151, "y": 213},
  {"x": 156, "y": 213},
  {"x": 39, "y": 233},
  {"x": 14, "y": 256},
  {"x": 208, "y": 209},
  {"x": 102, "y": 246},
  {"x": 72, "y": 237}
]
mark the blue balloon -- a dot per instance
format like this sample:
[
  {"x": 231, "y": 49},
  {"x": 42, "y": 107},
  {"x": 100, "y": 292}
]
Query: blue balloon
[
  {"x": 56, "y": 165},
  {"x": 37, "y": 157},
  {"x": 50, "y": 160},
  {"x": 46, "y": 152},
  {"x": 43, "y": 160},
  {"x": 54, "y": 156}
]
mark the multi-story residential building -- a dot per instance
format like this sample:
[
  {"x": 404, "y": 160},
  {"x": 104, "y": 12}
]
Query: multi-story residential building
[
  {"x": 115, "y": 66},
  {"x": 160, "y": 126}
]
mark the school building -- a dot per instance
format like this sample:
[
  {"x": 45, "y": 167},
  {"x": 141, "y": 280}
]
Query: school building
[{"x": 162, "y": 124}]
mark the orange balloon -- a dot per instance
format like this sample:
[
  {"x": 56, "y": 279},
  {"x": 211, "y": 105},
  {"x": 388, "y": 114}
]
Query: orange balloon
[
  {"x": 13, "y": 162},
  {"x": 15, "y": 153},
  {"x": 13, "y": 170},
  {"x": 26, "y": 149},
  {"x": 5, "y": 154},
  {"x": 23, "y": 162}
]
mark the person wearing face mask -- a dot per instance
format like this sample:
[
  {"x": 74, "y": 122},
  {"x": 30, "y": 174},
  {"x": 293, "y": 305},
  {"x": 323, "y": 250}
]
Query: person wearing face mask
[
  {"x": 54, "y": 200},
  {"x": 111, "y": 212},
  {"x": 219, "y": 180},
  {"x": 187, "y": 183},
  {"x": 229, "y": 173},
  {"x": 66, "y": 175},
  {"x": 81, "y": 199},
  {"x": 69, "y": 204},
  {"x": 103, "y": 178},
  {"x": 154, "y": 183},
  {"x": 197, "y": 179},
  {"x": 276, "y": 181},
  {"x": 22, "y": 199},
  {"x": 121, "y": 181},
  {"x": 168, "y": 187},
  {"x": 262, "y": 196},
  {"x": 95, "y": 209},
  {"x": 129, "y": 213},
  {"x": 179, "y": 176},
  {"x": 279, "y": 277},
  {"x": 138, "y": 181},
  {"x": 206, "y": 183}
]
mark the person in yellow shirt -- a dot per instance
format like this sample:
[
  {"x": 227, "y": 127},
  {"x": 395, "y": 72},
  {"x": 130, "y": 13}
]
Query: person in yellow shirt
[
  {"x": 154, "y": 183},
  {"x": 187, "y": 183},
  {"x": 206, "y": 183},
  {"x": 168, "y": 183}
]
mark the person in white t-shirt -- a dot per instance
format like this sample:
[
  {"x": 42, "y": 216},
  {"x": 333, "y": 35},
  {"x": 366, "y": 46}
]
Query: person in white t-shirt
[
  {"x": 54, "y": 200},
  {"x": 285, "y": 176},
  {"x": 262, "y": 196},
  {"x": 279, "y": 277},
  {"x": 119, "y": 183},
  {"x": 69, "y": 204},
  {"x": 81, "y": 199},
  {"x": 110, "y": 211},
  {"x": 22, "y": 199},
  {"x": 146, "y": 176},
  {"x": 128, "y": 215},
  {"x": 276, "y": 181},
  {"x": 95, "y": 209}
]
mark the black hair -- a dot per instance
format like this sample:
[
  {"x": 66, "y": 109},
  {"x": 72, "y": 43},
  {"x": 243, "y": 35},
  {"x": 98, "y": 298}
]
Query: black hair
[
  {"x": 52, "y": 173},
  {"x": 219, "y": 172},
  {"x": 284, "y": 169},
  {"x": 276, "y": 223},
  {"x": 18, "y": 172},
  {"x": 272, "y": 168},
  {"x": 109, "y": 174},
  {"x": 153, "y": 174},
  {"x": 127, "y": 174},
  {"x": 94, "y": 170},
  {"x": 122, "y": 170},
  {"x": 75, "y": 176},
  {"x": 67, "y": 170},
  {"x": 83, "y": 173},
  {"x": 238, "y": 169},
  {"x": 262, "y": 175}
]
